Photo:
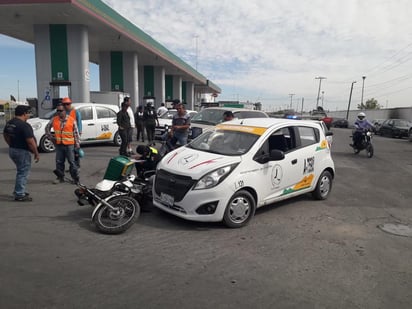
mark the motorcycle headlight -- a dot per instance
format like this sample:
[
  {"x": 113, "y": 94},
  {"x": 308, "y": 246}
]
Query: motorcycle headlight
[
  {"x": 36, "y": 125},
  {"x": 215, "y": 177}
]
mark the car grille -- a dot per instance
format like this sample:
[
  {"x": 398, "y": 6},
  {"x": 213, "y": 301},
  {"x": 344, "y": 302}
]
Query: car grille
[{"x": 172, "y": 184}]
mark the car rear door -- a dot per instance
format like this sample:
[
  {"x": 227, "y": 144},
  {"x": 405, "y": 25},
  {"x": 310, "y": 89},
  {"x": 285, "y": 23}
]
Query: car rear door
[{"x": 105, "y": 123}]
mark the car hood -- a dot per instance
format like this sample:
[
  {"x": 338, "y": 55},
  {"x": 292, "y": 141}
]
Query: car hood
[{"x": 195, "y": 163}]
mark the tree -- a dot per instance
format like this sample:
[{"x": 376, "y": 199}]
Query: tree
[{"x": 369, "y": 104}]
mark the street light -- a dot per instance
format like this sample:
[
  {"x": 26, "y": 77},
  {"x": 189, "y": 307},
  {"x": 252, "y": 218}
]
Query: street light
[
  {"x": 363, "y": 86},
  {"x": 350, "y": 98},
  {"x": 320, "y": 82}
]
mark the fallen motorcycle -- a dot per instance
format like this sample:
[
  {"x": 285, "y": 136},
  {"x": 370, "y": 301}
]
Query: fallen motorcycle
[{"x": 115, "y": 208}]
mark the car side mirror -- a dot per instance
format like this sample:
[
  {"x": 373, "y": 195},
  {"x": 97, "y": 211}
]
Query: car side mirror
[
  {"x": 329, "y": 133},
  {"x": 276, "y": 155}
]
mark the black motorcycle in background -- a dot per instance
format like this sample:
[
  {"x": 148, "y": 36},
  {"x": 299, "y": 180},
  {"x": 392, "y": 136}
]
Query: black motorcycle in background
[{"x": 364, "y": 143}]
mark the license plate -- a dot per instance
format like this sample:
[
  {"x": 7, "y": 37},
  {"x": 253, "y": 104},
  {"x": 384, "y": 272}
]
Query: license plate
[{"x": 167, "y": 199}]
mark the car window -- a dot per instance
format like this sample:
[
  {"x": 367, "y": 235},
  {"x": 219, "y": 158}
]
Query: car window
[
  {"x": 307, "y": 135},
  {"x": 86, "y": 112},
  {"x": 104, "y": 112}
]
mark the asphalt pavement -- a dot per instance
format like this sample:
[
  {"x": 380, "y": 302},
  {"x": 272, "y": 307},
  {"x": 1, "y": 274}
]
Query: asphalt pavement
[{"x": 300, "y": 253}]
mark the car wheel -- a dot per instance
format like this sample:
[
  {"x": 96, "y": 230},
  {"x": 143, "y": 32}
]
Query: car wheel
[
  {"x": 240, "y": 209},
  {"x": 323, "y": 187},
  {"x": 410, "y": 135},
  {"x": 46, "y": 145},
  {"x": 117, "y": 140}
]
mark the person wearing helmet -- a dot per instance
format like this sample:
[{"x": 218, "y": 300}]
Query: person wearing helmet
[
  {"x": 361, "y": 124},
  {"x": 72, "y": 112}
]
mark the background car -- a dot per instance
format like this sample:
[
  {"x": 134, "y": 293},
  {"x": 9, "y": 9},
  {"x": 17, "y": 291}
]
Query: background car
[
  {"x": 395, "y": 128},
  {"x": 98, "y": 125},
  {"x": 340, "y": 123},
  {"x": 166, "y": 121},
  {"x": 207, "y": 118}
]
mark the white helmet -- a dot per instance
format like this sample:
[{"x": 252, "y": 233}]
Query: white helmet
[{"x": 361, "y": 116}]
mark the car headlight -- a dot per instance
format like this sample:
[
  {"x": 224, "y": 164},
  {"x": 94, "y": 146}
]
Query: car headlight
[
  {"x": 215, "y": 177},
  {"x": 36, "y": 125}
]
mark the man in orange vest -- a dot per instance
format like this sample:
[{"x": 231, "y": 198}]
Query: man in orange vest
[
  {"x": 72, "y": 112},
  {"x": 66, "y": 138}
]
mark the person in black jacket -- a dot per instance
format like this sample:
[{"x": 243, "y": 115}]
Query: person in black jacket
[
  {"x": 123, "y": 121},
  {"x": 139, "y": 121},
  {"x": 150, "y": 120}
]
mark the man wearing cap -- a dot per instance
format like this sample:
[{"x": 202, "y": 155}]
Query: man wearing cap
[
  {"x": 72, "y": 112},
  {"x": 66, "y": 138},
  {"x": 18, "y": 134}
]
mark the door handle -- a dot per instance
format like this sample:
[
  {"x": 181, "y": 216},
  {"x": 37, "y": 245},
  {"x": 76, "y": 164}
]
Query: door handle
[
  {"x": 294, "y": 161},
  {"x": 91, "y": 124}
]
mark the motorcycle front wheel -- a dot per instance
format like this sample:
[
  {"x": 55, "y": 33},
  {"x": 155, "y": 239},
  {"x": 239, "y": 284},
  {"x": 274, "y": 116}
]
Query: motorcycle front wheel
[
  {"x": 369, "y": 151},
  {"x": 117, "y": 220}
]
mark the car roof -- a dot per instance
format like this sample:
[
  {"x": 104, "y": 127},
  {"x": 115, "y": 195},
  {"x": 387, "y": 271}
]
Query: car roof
[
  {"x": 270, "y": 122},
  {"x": 79, "y": 104},
  {"x": 233, "y": 109}
]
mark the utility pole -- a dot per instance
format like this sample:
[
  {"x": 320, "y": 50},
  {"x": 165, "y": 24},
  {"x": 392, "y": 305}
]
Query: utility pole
[
  {"x": 301, "y": 111},
  {"x": 323, "y": 95},
  {"x": 291, "y": 95},
  {"x": 350, "y": 98},
  {"x": 196, "y": 37},
  {"x": 320, "y": 83},
  {"x": 363, "y": 86},
  {"x": 18, "y": 90}
]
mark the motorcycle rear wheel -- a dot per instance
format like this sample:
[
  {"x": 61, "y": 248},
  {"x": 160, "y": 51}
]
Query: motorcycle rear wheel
[{"x": 116, "y": 221}]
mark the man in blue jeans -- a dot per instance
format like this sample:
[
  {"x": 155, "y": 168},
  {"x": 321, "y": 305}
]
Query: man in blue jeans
[{"x": 18, "y": 134}]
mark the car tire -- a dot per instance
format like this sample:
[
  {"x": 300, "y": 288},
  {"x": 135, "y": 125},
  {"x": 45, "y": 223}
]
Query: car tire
[
  {"x": 323, "y": 187},
  {"x": 117, "y": 140},
  {"x": 239, "y": 210},
  {"x": 46, "y": 145},
  {"x": 410, "y": 135}
]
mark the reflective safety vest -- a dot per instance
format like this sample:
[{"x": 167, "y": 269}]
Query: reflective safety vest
[
  {"x": 154, "y": 150},
  {"x": 64, "y": 136}
]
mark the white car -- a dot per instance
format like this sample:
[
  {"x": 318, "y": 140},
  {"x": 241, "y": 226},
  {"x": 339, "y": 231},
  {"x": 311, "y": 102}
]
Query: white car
[
  {"x": 165, "y": 121},
  {"x": 98, "y": 125},
  {"x": 240, "y": 165}
]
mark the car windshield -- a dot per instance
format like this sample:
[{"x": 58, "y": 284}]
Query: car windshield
[
  {"x": 169, "y": 114},
  {"x": 225, "y": 142},
  {"x": 213, "y": 117},
  {"x": 49, "y": 115}
]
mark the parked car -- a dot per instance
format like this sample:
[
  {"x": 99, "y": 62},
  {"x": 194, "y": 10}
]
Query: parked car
[
  {"x": 98, "y": 123},
  {"x": 395, "y": 128},
  {"x": 340, "y": 123},
  {"x": 377, "y": 123},
  {"x": 240, "y": 165},
  {"x": 165, "y": 121},
  {"x": 209, "y": 117}
]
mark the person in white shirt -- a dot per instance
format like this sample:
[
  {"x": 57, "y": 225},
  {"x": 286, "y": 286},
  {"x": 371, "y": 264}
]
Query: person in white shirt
[
  {"x": 161, "y": 110},
  {"x": 128, "y": 101}
]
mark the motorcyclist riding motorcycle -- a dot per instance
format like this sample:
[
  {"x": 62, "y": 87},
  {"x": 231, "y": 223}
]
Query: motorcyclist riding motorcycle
[{"x": 361, "y": 124}]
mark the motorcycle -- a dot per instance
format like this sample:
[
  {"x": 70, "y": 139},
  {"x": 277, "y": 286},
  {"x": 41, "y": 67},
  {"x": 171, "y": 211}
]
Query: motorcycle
[
  {"x": 115, "y": 208},
  {"x": 365, "y": 143}
]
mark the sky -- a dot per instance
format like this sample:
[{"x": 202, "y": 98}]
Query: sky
[{"x": 271, "y": 52}]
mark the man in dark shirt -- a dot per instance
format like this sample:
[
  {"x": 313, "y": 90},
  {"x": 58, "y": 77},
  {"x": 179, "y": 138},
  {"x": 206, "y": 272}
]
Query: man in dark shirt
[
  {"x": 123, "y": 121},
  {"x": 18, "y": 134}
]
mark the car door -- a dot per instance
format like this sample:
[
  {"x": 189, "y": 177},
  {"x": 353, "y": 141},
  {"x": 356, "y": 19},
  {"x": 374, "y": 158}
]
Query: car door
[
  {"x": 105, "y": 123},
  {"x": 278, "y": 177},
  {"x": 88, "y": 124}
]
